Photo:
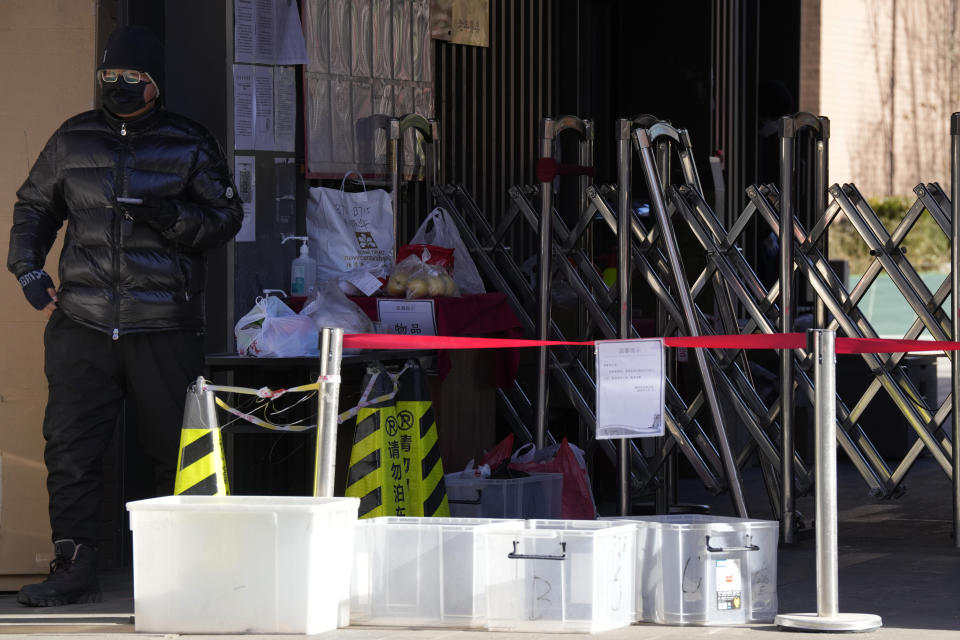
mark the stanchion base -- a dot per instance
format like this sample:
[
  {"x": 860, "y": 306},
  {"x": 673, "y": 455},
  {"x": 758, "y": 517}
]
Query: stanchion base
[{"x": 849, "y": 622}]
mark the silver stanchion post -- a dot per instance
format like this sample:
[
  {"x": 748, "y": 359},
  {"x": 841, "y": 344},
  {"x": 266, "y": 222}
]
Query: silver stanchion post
[
  {"x": 955, "y": 314},
  {"x": 331, "y": 352},
  {"x": 624, "y": 272},
  {"x": 828, "y": 616}
]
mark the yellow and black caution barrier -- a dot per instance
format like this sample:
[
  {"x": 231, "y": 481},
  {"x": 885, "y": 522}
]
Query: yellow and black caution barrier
[
  {"x": 201, "y": 468},
  {"x": 395, "y": 466}
]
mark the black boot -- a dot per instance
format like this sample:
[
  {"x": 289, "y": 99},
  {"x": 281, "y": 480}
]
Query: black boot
[{"x": 72, "y": 579}]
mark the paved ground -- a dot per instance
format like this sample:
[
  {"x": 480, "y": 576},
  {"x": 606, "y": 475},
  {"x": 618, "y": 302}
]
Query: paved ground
[
  {"x": 887, "y": 310},
  {"x": 897, "y": 560}
]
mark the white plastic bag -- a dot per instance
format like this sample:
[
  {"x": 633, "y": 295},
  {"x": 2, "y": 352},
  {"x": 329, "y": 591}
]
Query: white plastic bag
[
  {"x": 439, "y": 229},
  {"x": 349, "y": 231},
  {"x": 250, "y": 326},
  {"x": 287, "y": 337},
  {"x": 414, "y": 277},
  {"x": 472, "y": 471},
  {"x": 331, "y": 308},
  {"x": 530, "y": 453},
  {"x": 272, "y": 329}
]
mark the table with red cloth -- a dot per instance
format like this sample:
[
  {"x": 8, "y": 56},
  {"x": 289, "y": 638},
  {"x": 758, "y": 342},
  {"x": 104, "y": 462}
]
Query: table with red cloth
[{"x": 484, "y": 314}]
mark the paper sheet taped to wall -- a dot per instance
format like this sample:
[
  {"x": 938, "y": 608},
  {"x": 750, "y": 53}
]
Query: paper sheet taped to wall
[
  {"x": 268, "y": 32},
  {"x": 245, "y": 176},
  {"x": 264, "y": 108}
]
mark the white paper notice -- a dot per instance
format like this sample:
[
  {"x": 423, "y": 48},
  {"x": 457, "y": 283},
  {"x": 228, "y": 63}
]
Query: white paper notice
[
  {"x": 285, "y": 109},
  {"x": 285, "y": 194},
  {"x": 291, "y": 47},
  {"x": 244, "y": 174},
  {"x": 244, "y": 31},
  {"x": 263, "y": 108},
  {"x": 266, "y": 31},
  {"x": 367, "y": 283},
  {"x": 407, "y": 317},
  {"x": 244, "y": 112},
  {"x": 629, "y": 388}
]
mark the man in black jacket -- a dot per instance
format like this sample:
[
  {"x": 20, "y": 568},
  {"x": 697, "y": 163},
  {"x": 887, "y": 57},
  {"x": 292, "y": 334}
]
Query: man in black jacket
[{"x": 145, "y": 193}]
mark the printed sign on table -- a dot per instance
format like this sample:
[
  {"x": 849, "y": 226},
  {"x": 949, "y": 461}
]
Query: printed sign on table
[{"x": 407, "y": 317}]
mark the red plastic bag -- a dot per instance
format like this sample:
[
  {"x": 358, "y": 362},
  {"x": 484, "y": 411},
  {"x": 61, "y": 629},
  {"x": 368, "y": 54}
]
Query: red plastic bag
[
  {"x": 577, "y": 500},
  {"x": 440, "y": 256},
  {"x": 499, "y": 454}
]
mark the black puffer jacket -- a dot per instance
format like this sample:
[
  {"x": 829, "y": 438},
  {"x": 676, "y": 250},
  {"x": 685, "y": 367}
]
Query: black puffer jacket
[{"x": 117, "y": 276}]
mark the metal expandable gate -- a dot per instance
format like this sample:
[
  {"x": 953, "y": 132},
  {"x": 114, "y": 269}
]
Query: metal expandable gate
[{"x": 727, "y": 296}]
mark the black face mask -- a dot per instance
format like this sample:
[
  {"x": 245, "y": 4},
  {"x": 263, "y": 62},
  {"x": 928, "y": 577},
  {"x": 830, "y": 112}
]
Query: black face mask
[{"x": 122, "y": 97}]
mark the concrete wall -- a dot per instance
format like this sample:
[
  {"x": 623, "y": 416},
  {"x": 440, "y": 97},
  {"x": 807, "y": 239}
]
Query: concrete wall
[
  {"x": 48, "y": 53},
  {"x": 888, "y": 83}
]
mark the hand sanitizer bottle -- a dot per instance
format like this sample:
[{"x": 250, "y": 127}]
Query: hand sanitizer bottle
[{"x": 303, "y": 269}]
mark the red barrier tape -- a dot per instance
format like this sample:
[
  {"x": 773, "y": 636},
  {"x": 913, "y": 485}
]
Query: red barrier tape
[
  {"x": 879, "y": 345},
  {"x": 548, "y": 169},
  {"x": 751, "y": 341}
]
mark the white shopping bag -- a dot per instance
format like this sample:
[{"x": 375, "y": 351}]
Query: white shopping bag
[
  {"x": 349, "y": 231},
  {"x": 440, "y": 230},
  {"x": 272, "y": 329}
]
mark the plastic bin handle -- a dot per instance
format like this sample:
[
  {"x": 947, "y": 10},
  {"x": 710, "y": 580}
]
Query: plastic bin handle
[
  {"x": 524, "y": 556},
  {"x": 477, "y": 501},
  {"x": 749, "y": 547}
]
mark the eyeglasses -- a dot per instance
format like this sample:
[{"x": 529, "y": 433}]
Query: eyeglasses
[{"x": 129, "y": 76}]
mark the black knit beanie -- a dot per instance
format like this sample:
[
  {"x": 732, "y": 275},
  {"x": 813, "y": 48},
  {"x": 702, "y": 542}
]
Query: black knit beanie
[{"x": 134, "y": 47}]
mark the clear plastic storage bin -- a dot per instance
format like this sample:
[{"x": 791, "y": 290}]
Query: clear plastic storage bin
[
  {"x": 426, "y": 572},
  {"x": 535, "y": 497},
  {"x": 561, "y": 575},
  {"x": 242, "y": 564},
  {"x": 706, "y": 570}
]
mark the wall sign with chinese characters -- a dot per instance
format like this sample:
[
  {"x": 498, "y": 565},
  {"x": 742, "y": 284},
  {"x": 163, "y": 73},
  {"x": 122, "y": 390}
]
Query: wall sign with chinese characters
[
  {"x": 399, "y": 454},
  {"x": 629, "y": 388},
  {"x": 461, "y": 21},
  {"x": 407, "y": 317}
]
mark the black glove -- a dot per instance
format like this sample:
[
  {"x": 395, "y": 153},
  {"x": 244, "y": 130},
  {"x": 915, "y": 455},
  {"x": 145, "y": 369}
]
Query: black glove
[
  {"x": 159, "y": 213},
  {"x": 35, "y": 284}
]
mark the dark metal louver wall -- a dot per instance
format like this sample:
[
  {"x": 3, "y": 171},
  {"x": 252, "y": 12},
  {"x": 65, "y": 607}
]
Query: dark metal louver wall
[
  {"x": 734, "y": 123},
  {"x": 490, "y": 101}
]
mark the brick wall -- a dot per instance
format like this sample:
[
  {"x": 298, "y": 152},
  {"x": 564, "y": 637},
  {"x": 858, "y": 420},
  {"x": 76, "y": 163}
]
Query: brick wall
[{"x": 888, "y": 83}]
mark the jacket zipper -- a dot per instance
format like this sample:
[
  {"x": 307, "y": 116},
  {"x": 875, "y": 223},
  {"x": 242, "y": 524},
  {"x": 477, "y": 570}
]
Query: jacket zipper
[{"x": 118, "y": 234}]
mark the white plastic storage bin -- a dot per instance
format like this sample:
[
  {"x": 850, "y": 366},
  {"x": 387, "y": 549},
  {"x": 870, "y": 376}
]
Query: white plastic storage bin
[
  {"x": 536, "y": 496},
  {"x": 242, "y": 564},
  {"x": 425, "y": 572},
  {"x": 561, "y": 575},
  {"x": 706, "y": 570}
]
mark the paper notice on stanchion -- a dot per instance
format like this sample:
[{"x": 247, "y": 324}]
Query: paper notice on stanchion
[{"x": 629, "y": 388}]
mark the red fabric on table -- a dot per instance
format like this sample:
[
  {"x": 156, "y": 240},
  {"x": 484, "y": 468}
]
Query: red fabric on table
[{"x": 484, "y": 314}]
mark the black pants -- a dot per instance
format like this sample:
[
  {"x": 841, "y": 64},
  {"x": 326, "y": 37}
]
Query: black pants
[{"x": 90, "y": 376}]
